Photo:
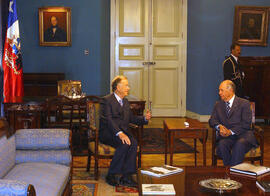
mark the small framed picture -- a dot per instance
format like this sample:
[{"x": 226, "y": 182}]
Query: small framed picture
[
  {"x": 54, "y": 26},
  {"x": 250, "y": 25}
]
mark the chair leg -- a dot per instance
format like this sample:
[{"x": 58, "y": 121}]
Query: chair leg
[
  {"x": 88, "y": 162},
  {"x": 214, "y": 161},
  {"x": 96, "y": 168},
  {"x": 261, "y": 161}
]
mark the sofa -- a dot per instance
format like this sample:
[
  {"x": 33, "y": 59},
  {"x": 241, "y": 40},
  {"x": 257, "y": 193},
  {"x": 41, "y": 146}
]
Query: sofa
[{"x": 35, "y": 161}]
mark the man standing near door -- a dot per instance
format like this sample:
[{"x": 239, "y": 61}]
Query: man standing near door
[{"x": 114, "y": 131}]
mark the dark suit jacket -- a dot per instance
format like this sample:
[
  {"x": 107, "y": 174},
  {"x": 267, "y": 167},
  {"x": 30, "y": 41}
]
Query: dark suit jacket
[
  {"x": 232, "y": 71},
  {"x": 238, "y": 120},
  {"x": 59, "y": 35},
  {"x": 115, "y": 118}
]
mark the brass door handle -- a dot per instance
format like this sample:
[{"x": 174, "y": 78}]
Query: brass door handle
[{"x": 149, "y": 63}]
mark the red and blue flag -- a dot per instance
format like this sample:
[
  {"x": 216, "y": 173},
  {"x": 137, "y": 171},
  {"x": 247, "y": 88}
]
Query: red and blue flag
[{"x": 12, "y": 57}]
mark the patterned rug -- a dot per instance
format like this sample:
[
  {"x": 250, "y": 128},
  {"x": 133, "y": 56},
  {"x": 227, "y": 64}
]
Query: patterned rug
[
  {"x": 84, "y": 188},
  {"x": 154, "y": 142},
  {"x": 82, "y": 184}
]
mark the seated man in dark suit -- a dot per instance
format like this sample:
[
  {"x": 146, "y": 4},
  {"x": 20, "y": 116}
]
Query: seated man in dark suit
[
  {"x": 231, "y": 118},
  {"x": 114, "y": 131}
]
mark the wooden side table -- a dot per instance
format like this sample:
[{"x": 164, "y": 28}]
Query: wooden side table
[
  {"x": 178, "y": 181},
  {"x": 176, "y": 128}
]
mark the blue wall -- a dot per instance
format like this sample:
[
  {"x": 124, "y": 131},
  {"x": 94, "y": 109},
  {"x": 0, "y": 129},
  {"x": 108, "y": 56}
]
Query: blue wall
[
  {"x": 210, "y": 31},
  {"x": 90, "y": 28}
]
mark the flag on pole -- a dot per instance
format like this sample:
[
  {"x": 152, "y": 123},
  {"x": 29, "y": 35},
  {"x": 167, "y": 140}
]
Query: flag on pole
[{"x": 12, "y": 57}]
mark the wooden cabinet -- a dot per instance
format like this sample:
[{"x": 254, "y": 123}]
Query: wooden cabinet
[
  {"x": 41, "y": 84},
  {"x": 257, "y": 83}
]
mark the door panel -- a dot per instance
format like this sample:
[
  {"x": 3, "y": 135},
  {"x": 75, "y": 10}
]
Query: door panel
[
  {"x": 135, "y": 79},
  {"x": 131, "y": 18},
  {"x": 149, "y": 47},
  {"x": 165, "y": 93},
  {"x": 165, "y": 52},
  {"x": 166, "y": 18},
  {"x": 131, "y": 52}
]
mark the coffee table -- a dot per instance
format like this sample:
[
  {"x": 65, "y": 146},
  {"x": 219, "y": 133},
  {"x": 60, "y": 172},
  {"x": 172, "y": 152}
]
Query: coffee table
[
  {"x": 176, "y": 128},
  {"x": 186, "y": 183}
]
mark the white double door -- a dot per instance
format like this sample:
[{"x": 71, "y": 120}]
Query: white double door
[{"x": 148, "y": 46}]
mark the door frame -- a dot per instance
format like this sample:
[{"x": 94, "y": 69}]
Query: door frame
[{"x": 182, "y": 79}]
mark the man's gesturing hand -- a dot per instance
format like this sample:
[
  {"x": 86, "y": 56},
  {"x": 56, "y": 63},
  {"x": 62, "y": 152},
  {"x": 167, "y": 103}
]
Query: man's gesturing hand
[
  {"x": 125, "y": 139},
  {"x": 148, "y": 115}
]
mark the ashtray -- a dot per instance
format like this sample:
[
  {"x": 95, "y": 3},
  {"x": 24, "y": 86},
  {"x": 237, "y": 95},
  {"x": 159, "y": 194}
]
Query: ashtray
[{"x": 220, "y": 185}]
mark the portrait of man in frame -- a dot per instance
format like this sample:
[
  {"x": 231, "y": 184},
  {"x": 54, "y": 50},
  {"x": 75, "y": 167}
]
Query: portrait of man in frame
[
  {"x": 250, "y": 25},
  {"x": 54, "y": 26}
]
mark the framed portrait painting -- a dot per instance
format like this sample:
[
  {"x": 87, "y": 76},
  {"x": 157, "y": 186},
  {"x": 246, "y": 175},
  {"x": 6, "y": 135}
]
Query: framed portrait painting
[
  {"x": 54, "y": 26},
  {"x": 250, "y": 25}
]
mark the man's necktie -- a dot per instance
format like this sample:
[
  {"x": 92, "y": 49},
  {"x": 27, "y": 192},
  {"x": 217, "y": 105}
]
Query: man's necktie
[
  {"x": 228, "y": 108},
  {"x": 121, "y": 102}
]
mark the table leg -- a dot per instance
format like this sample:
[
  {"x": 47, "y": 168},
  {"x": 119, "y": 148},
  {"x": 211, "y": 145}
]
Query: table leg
[
  {"x": 204, "y": 147},
  {"x": 195, "y": 151},
  {"x": 171, "y": 146},
  {"x": 166, "y": 142}
]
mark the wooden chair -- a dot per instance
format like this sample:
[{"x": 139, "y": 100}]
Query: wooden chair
[
  {"x": 69, "y": 88},
  {"x": 59, "y": 112},
  {"x": 97, "y": 149},
  {"x": 255, "y": 154}
]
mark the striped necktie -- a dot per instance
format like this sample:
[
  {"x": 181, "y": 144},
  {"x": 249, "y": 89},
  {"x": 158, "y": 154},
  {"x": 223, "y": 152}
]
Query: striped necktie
[
  {"x": 121, "y": 102},
  {"x": 228, "y": 108}
]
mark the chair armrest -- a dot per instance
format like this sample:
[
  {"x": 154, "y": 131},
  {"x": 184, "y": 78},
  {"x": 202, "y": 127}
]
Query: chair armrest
[
  {"x": 259, "y": 134},
  {"x": 14, "y": 187},
  {"x": 258, "y": 131}
]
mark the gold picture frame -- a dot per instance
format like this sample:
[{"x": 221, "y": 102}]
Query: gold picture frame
[
  {"x": 251, "y": 25},
  {"x": 54, "y": 26}
]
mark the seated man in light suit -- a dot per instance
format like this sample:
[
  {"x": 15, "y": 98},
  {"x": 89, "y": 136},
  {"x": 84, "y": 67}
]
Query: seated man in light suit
[
  {"x": 231, "y": 118},
  {"x": 114, "y": 131}
]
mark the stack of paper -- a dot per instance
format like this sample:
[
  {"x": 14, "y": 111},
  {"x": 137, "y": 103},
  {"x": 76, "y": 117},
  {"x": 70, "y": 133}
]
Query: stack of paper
[
  {"x": 158, "y": 189},
  {"x": 249, "y": 169},
  {"x": 162, "y": 170}
]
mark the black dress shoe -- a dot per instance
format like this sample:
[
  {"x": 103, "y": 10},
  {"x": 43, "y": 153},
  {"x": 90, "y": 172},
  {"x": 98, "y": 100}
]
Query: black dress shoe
[
  {"x": 112, "y": 180},
  {"x": 127, "y": 181}
]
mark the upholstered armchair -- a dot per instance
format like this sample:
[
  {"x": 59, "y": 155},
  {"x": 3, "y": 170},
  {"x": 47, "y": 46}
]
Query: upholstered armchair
[
  {"x": 95, "y": 148},
  {"x": 255, "y": 154},
  {"x": 35, "y": 162}
]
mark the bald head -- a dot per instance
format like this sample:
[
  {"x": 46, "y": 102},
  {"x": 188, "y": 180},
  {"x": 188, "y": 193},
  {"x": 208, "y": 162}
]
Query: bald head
[{"x": 226, "y": 90}]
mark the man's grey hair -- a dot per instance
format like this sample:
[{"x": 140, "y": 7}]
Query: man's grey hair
[{"x": 116, "y": 81}]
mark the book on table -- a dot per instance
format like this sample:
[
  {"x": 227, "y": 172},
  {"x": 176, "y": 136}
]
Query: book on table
[
  {"x": 158, "y": 189},
  {"x": 264, "y": 185},
  {"x": 160, "y": 171},
  {"x": 249, "y": 169}
]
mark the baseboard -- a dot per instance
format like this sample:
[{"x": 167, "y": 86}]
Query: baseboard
[{"x": 201, "y": 118}]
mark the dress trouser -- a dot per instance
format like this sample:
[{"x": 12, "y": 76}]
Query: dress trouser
[
  {"x": 232, "y": 149},
  {"x": 124, "y": 159}
]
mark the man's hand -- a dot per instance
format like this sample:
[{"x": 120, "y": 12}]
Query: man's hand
[
  {"x": 125, "y": 139},
  {"x": 224, "y": 132},
  {"x": 148, "y": 115}
]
